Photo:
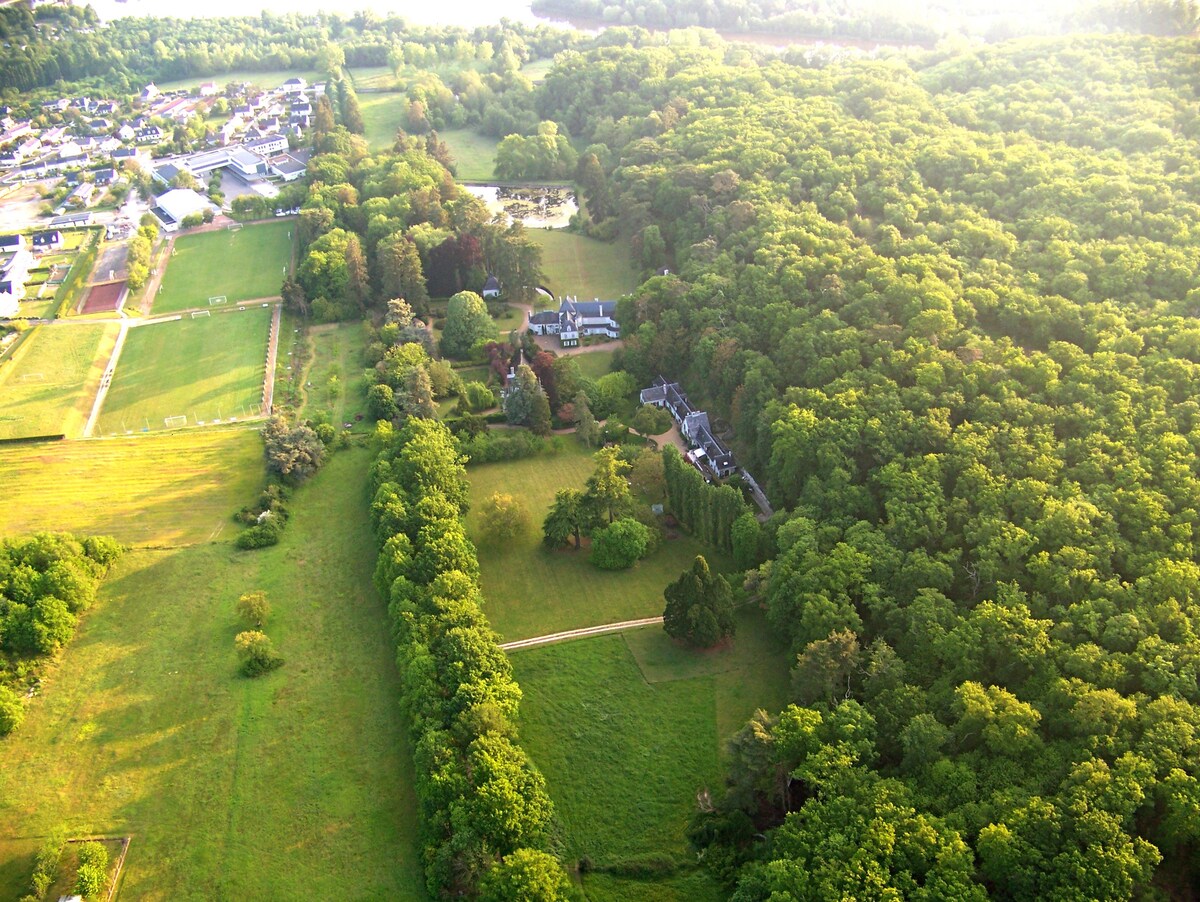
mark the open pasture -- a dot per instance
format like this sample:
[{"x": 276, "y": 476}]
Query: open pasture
[
  {"x": 584, "y": 267},
  {"x": 166, "y": 489},
  {"x": 474, "y": 154},
  {"x": 382, "y": 114},
  {"x": 205, "y": 369},
  {"x": 48, "y": 384},
  {"x": 242, "y": 265},
  {"x": 530, "y": 591},
  {"x": 296, "y": 785},
  {"x": 628, "y": 729}
]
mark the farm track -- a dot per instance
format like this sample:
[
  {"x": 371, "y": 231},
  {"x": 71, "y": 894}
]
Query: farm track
[{"x": 584, "y": 633}]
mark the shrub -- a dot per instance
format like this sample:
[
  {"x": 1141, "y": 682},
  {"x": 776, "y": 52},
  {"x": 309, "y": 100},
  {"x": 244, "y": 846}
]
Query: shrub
[
  {"x": 254, "y": 608},
  {"x": 263, "y": 535},
  {"x": 12, "y": 711},
  {"x": 619, "y": 545},
  {"x": 504, "y": 516},
  {"x": 651, "y": 420},
  {"x": 257, "y": 653}
]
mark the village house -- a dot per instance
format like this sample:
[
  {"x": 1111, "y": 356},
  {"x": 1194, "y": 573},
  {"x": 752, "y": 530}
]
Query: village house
[
  {"x": 44, "y": 242},
  {"x": 708, "y": 452},
  {"x": 15, "y": 263}
]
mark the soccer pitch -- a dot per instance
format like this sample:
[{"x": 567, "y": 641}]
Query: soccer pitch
[
  {"x": 204, "y": 369},
  {"x": 241, "y": 265}
]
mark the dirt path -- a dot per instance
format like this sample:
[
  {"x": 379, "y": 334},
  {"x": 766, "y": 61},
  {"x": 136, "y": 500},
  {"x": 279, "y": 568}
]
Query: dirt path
[
  {"x": 584, "y": 633},
  {"x": 268, "y": 399},
  {"x": 106, "y": 380},
  {"x": 156, "y": 276}
]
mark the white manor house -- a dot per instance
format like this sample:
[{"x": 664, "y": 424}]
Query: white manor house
[{"x": 575, "y": 318}]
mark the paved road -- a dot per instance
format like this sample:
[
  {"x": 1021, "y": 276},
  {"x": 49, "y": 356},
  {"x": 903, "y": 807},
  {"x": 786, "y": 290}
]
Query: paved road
[{"x": 584, "y": 633}]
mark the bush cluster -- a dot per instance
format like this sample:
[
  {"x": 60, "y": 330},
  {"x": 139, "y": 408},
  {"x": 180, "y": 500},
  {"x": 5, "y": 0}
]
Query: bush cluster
[
  {"x": 481, "y": 798},
  {"x": 266, "y": 518},
  {"x": 46, "y": 582},
  {"x": 490, "y": 447}
]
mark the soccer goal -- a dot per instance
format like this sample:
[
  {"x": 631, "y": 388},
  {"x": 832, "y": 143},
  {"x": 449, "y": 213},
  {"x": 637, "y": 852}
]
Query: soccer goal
[
  {"x": 196, "y": 313},
  {"x": 219, "y": 299},
  {"x": 33, "y": 377},
  {"x": 173, "y": 422}
]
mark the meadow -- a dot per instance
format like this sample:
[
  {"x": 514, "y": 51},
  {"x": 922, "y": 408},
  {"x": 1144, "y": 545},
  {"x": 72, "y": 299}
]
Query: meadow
[
  {"x": 48, "y": 384},
  {"x": 335, "y": 380},
  {"x": 243, "y": 265},
  {"x": 530, "y": 591},
  {"x": 295, "y": 785},
  {"x": 645, "y": 719},
  {"x": 206, "y": 369},
  {"x": 272, "y": 78},
  {"x": 382, "y": 114},
  {"x": 595, "y": 364},
  {"x": 583, "y": 267},
  {"x": 156, "y": 490},
  {"x": 474, "y": 154}
]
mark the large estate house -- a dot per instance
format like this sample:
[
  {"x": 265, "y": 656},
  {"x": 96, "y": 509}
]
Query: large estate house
[
  {"x": 707, "y": 452},
  {"x": 576, "y": 318}
]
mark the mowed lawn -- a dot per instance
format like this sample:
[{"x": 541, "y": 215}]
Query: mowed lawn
[
  {"x": 584, "y": 267},
  {"x": 530, "y": 591},
  {"x": 296, "y": 785},
  {"x": 270, "y": 79},
  {"x": 628, "y": 729},
  {"x": 242, "y": 265},
  {"x": 474, "y": 154},
  {"x": 382, "y": 115},
  {"x": 206, "y": 369},
  {"x": 165, "y": 489},
  {"x": 48, "y": 385}
]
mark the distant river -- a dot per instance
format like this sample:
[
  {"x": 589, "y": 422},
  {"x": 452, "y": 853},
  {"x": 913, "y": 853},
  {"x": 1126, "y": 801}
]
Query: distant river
[{"x": 467, "y": 13}]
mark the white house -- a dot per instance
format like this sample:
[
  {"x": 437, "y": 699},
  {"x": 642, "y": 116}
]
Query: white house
[
  {"x": 208, "y": 89},
  {"x": 176, "y": 205},
  {"x": 149, "y": 93},
  {"x": 14, "y": 270},
  {"x": 707, "y": 451},
  {"x": 294, "y": 85},
  {"x": 267, "y": 146},
  {"x": 575, "y": 319},
  {"x": 491, "y": 287}
]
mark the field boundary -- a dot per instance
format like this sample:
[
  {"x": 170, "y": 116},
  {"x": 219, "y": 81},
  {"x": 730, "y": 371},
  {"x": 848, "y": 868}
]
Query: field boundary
[
  {"x": 106, "y": 380},
  {"x": 268, "y": 395},
  {"x": 583, "y": 633}
]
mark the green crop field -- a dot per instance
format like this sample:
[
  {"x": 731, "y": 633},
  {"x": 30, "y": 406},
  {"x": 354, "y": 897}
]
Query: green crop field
[
  {"x": 296, "y": 785},
  {"x": 628, "y": 729},
  {"x": 530, "y": 591},
  {"x": 243, "y": 265},
  {"x": 474, "y": 154},
  {"x": 583, "y": 267},
  {"x": 48, "y": 385},
  {"x": 166, "y": 489},
  {"x": 205, "y": 369},
  {"x": 382, "y": 114}
]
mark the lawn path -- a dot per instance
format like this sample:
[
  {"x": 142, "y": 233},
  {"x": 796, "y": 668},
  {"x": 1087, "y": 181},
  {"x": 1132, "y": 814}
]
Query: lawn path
[
  {"x": 106, "y": 380},
  {"x": 584, "y": 633}
]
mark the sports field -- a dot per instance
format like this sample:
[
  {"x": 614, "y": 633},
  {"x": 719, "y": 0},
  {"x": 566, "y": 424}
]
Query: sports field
[
  {"x": 530, "y": 591},
  {"x": 205, "y": 369},
  {"x": 166, "y": 489},
  {"x": 583, "y": 267},
  {"x": 241, "y": 265},
  {"x": 293, "y": 786},
  {"x": 474, "y": 154},
  {"x": 381, "y": 117},
  {"x": 48, "y": 385},
  {"x": 628, "y": 729}
]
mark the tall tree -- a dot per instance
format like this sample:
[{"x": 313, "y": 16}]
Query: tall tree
[
  {"x": 699, "y": 607},
  {"x": 400, "y": 273},
  {"x": 607, "y": 488}
]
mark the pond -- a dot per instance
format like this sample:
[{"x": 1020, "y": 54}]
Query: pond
[{"x": 538, "y": 207}]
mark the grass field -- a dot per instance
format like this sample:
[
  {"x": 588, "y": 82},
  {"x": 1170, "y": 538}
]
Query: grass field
[
  {"x": 381, "y": 115},
  {"x": 48, "y": 385},
  {"x": 379, "y": 78},
  {"x": 474, "y": 154},
  {"x": 337, "y": 352},
  {"x": 581, "y": 266},
  {"x": 530, "y": 591},
  {"x": 293, "y": 786},
  {"x": 595, "y": 364},
  {"x": 205, "y": 369},
  {"x": 270, "y": 79},
  {"x": 156, "y": 490},
  {"x": 241, "y": 265},
  {"x": 627, "y": 729},
  {"x": 537, "y": 70}
]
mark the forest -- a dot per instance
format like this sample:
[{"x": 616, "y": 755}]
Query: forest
[{"x": 945, "y": 305}]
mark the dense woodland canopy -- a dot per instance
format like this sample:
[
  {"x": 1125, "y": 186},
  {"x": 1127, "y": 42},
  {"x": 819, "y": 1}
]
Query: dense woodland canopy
[{"x": 948, "y": 309}]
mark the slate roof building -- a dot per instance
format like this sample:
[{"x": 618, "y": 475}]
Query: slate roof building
[
  {"x": 708, "y": 452},
  {"x": 576, "y": 319}
]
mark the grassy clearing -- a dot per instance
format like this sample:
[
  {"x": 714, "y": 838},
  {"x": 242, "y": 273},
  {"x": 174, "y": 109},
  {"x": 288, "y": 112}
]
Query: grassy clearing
[
  {"x": 168, "y": 489},
  {"x": 269, "y": 79},
  {"x": 537, "y": 70},
  {"x": 530, "y": 591},
  {"x": 378, "y": 78},
  {"x": 581, "y": 266},
  {"x": 644, "y": 720},
  {"x": 474, "y": 154},
  {"x": 241, "y": 265},
  {"x": 48, "y": 385},
  {"x": 336, "y": 375},
  {"x": 293, "y": 786},
  {"x": 205, "y": 369},
  {"x": 382, "y": 114},
  {"x": 595, "y": 364}
]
